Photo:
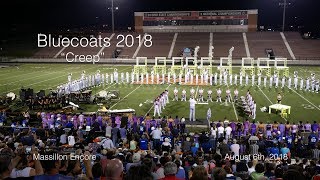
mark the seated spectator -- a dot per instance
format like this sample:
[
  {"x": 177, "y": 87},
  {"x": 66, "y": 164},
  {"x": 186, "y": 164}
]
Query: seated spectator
[{"x": 166, "y": 145}]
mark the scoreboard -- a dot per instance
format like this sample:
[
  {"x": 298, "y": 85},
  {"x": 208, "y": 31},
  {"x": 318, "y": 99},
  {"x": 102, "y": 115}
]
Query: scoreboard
[{"x": 193, "y": 21}]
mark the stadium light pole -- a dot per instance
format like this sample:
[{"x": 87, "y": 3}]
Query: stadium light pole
[
  {"x": 112, "y": 16},
  {"x": 112, "y": 8},
  {"x": 283, "y": 15}
]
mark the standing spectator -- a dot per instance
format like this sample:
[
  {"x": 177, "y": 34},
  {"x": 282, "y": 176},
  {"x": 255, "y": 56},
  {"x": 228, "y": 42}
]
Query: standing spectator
[
  {"x": 133, "y": 144},
  {"x": 254, "y": 148},
  {"x": 156, "y": 136},
  {"x": 115, "y": 135},
  {"x": 235, "y": 148},
  {"x": 108, "y": 130}
]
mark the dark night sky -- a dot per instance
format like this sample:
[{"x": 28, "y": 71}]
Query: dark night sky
[{"x": 39, "y": 15}]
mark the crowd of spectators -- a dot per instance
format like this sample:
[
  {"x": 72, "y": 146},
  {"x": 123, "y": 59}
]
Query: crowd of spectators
[{"x": 146, "y": 148}]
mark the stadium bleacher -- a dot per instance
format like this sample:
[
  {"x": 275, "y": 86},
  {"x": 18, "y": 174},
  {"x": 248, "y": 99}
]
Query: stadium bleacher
[
  {"x": 303, "y": 49},
  {"x": 192, "y": 40},
  {"x": 161, "y": 43},
  {"x": 222, "y": 42},
  {"x": 259, "y": 41}
]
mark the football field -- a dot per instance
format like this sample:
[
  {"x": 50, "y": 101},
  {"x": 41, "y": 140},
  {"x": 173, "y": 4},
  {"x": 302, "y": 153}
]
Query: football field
[{"x": 305, "y": 106}]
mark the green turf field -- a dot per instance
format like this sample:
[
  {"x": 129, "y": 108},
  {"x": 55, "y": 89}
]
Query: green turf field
[{"x": 305, "y": 105}]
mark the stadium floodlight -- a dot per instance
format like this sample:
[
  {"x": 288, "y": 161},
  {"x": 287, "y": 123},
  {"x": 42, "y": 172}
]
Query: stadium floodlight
[{"x": 112, "y": 14}]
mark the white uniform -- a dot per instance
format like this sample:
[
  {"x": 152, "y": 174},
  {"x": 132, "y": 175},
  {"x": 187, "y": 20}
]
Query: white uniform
[
  {"x": 259, "y": 79},
  {"x": 174, "y": 78},
  {"x": 98, "y": 78},
  {"x": 132, "y": 78},
  {"x": 201, "y": 78},
  {"x": 209, "y": 95},
  {"x": 230, "y": 79},
  {"x": 265, "y": 81},
  {"x": 301, "y": 84},
  {"x": 127, "y": 77},
  {"x": 253, "y": 79},
  {"x": 184, "y": 95},
  {"x": 175, "y": 93},
  {"x": 158, "y": 78},
  {"x": 211, "y": 76},
  {"x": 215, "y": 78},
  {"x": 107, "y": 78},
  {"x": 295, "y": 80},
  {"x": 236, "y": 79},
  {"x": 308, "y": 84},
  {"x": 225, "y": 77},
  {"x": 219, "y": 95},
  {"x": 254, "y": 110},
  {"x": 236, "y": 94},
  {"x": 200, "y": 98},
  {"x": 69, "y": 77},
  {"x": 147, "y": 78},
  {"x": 276, "y": 79},
  {"x": 197, "y": 79},
  {"x": 156, "y": 108},
  {"x": 271, "y": 81},
  {"x": 122, "y": 78},
  {"x": 192, "y": 91},
  {"x": 228, "y": 95},
  {"x": 192, "y": 115},
  {"x": 111, "y": 78},
  {"x": 289, "y": 82},
  {"x": 152, "y": 78},
  {"x": 241, "y": 77},
  {"x": 283, "y": 82},
  {"x": 163, "y": 78},
  {"x": 220, "y": 79},
  {"x": 141, "y": 78},
  {"x": 247, "y": 80},
  {"x": 169, "y": 78}
]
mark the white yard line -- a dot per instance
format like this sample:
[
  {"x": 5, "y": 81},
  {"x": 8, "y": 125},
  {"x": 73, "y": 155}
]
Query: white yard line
[
  {"x": 287, "y": 46},
  {"x": 234, "y": 109},
  {"x": 305, "y": 99},
  {"x": 126, "y": 96},
  {"x": 139, "y": 47},
  {"x": 268, "y": 99},
  {"x": 172, "y": 45},
  {"x": 153, "y": 104},
  {"x": 246, "y": 45},
  {"x": 58, "y": 53}
]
